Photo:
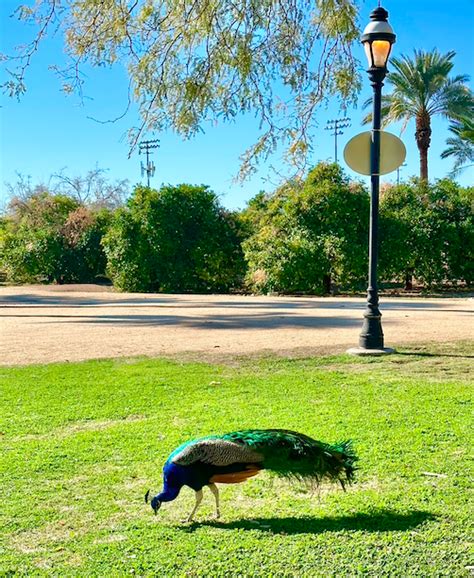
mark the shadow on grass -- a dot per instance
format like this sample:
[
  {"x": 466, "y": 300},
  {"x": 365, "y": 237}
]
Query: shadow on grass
[
  {"x": 426, "y": 354},
  {"x": 381, "y": 521}
]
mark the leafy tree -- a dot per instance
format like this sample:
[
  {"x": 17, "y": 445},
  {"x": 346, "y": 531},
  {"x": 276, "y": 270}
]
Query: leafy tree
[
  {"x": 461, "y": 145},
  {"x": 422, "y": 88},
  {"x": 285, "y": 259},
  {"x": 52, "y": 238},
  {"x": 264, "y": 208},
  {"x": 192, "y": 62},
  {"x": 177, "y": 239},
  {"x": 314, "y": 234},
  {"x": 427, "y": 232}
]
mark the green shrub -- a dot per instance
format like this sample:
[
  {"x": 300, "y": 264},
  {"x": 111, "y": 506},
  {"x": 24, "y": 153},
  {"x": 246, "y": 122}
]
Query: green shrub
[
  {"x": 309, "y": 236},
  {"x": 177, "y": 239},
  {"x": 52, "y": 238},
  {"x": 427, "y": 232}
]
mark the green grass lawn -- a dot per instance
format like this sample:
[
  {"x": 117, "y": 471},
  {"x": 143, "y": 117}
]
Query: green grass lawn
[{"x": 81, "y": 443}]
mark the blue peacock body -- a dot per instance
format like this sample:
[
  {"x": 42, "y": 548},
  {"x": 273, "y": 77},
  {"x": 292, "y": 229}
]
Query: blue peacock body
[{"x": 234, "y": 457}]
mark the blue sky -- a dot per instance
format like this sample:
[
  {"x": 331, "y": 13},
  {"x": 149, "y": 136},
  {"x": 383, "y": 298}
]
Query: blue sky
[{"x": 47, "y": 131}]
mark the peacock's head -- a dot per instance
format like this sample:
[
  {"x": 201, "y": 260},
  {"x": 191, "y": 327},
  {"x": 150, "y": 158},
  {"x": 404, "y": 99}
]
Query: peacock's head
[{"x": 155, "y": 503}]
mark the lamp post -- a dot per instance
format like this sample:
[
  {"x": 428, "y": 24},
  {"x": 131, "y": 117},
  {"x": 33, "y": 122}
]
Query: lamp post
[
  {"x": 377, "y": 39},
  {"x": 398, "y": 172}
]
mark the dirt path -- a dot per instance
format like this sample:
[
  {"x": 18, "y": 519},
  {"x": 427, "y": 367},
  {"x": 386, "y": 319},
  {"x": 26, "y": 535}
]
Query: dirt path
[{"x": 39, "y": 324}]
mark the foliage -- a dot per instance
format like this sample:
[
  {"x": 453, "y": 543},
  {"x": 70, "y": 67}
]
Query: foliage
[
  {"x": 422, "y": 88},
  {"x": 52, "y": 238},
  {"x": 428, "y": 231},
  {"x": 193, "y": 62},
  {"x": 175, "y": 239},
  {"x": 84, "y": 441},
  {"x": 309, "y": 235},
  {"x": 461, "y": 145},
  {"x": 284, "y": 259}
]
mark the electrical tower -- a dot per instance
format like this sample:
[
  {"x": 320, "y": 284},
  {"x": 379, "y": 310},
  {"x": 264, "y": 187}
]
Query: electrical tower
[
  {"x": 335, "y": 126},
  {"x": 145, "y": 147}
]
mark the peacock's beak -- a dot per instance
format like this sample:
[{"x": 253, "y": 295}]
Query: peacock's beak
[{"x": 155, "y": 504}]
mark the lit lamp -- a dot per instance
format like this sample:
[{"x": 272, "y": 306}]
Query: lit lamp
[{"x": 377, "y": 39}]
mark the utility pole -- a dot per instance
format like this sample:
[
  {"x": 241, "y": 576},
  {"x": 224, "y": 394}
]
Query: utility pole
[
  {"x": 398, "y": 173},
  {"x": 335, "y": 126},
  {"x": 145, "y": 147}
]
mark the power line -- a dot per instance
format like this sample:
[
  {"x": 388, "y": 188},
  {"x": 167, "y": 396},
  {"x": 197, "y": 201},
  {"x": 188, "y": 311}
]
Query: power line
[
  {"x": 145, "y": 147},
  {"x": 336, "y": 125}
]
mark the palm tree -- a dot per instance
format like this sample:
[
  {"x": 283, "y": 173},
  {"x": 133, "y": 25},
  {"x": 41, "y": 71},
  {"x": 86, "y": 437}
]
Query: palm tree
[
  {"x": 461, "y": 146},
  {"x": 422, "y": 88}
]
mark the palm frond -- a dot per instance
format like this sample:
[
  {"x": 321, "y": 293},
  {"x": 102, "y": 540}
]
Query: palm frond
[
  {"x": 422, "y": 87},
  {"x": 461, "y": 145}
]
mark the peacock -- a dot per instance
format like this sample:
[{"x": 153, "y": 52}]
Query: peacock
[{"x": 235, "y": 457}]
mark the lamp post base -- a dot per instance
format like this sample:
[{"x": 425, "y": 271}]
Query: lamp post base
[{"x": 363, "y": 351}]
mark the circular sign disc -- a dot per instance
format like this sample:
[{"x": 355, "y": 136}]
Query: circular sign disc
[{"x": 357, "y": 152}]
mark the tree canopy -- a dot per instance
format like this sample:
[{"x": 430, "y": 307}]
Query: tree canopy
[
  {"x": 309, "y": 235},
  {"x": 176, "y": 239},
  {"x": 427, "y": 232},
  {"x": 191, "y": 62},
  {"x": 460, "y": 145},
  {"x": 53, "y": 238}
]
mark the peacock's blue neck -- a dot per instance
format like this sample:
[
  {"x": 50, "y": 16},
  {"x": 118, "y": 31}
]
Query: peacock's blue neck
[
  {"x": 174, "y": 479},
  {"x": 169, "y": 493},
  {"x": 176, "y": 476}
]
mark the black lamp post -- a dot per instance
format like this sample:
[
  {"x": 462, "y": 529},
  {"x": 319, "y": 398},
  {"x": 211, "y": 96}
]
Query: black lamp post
[{"x": 377, "y": 39}]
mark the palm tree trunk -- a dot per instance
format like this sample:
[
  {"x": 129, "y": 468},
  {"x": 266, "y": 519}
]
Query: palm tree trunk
[
  {"x": 423, "y": 141},
  {"x": 423, "y": 163}
]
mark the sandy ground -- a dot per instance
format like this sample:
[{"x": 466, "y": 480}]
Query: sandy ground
[{"x": 40, "y": 324}]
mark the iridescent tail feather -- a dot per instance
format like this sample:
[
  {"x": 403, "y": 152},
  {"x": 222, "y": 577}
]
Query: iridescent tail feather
[{"x": 291, "y": 454}]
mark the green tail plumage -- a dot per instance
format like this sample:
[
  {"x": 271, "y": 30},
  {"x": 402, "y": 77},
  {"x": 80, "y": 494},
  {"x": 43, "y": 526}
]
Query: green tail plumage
[{"x": 291, "y": 454}]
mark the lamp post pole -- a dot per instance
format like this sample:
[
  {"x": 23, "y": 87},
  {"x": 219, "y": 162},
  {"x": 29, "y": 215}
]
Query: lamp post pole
[
  {"x": 377, "y": 38},
  {"x": 371, "y": 336},
  {"x": 398, "y": 172}
]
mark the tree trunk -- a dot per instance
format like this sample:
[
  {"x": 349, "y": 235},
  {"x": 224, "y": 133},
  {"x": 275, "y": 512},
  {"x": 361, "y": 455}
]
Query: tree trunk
[
  {"x": 423, "y": 164},
  {"x": 423, "y": 141},
  {"x": 327, "y": 284}
]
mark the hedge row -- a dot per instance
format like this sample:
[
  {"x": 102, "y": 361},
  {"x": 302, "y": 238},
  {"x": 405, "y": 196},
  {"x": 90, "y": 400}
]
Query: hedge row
[{"x": 308, "y": 236}]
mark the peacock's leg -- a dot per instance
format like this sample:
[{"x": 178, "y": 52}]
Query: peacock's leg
[
  {"x": 196, "y": 505},
  {"x": 214, "y": 489}
]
